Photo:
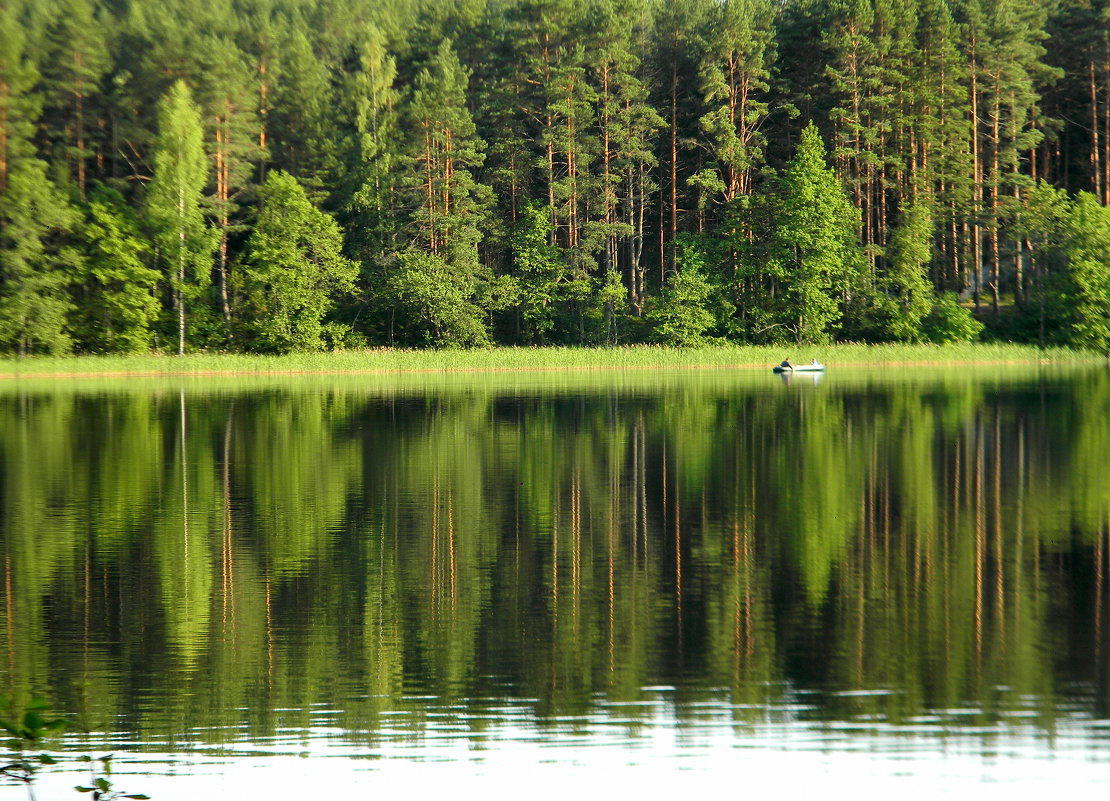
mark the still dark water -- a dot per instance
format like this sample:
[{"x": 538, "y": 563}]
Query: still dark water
[{"x": 644, "y": 583}]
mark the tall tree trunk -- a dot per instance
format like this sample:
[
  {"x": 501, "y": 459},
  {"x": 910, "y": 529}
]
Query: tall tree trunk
[
  {"x": 263, "y": 110},
  {"x": 1096, "y": 167},
  {"x": 1105, "y": 160},
  {"x": 674, "y": 154},
  {"x": 977, "y": 182},
  {"x": 223, "y": 197},
  {"x": 429, "y": 186},
  {"x": 607, "y": 200},
  {"x": 5, "y": 98},
  {"x": 1019, "y": 288},
  {"x": 79, "y": 125},
  {"x": 181, "y": 272},
  {"x": 996, "y": 146}
]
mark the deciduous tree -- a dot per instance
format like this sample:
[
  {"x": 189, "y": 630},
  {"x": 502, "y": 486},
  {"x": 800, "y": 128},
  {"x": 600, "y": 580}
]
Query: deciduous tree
[{"x": 295, "y": 270}]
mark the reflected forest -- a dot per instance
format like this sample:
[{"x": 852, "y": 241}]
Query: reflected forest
[{"x": 243, "y": 556}]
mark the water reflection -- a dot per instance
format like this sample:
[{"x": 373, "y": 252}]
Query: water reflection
[{"x": 882, "y": 562}]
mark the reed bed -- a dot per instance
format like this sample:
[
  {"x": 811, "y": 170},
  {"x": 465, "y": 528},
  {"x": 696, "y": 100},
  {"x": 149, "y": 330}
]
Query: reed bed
[{"x": 638, "y": 357}]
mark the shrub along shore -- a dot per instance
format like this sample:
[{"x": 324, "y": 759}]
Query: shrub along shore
[{"x": 638, "y": 357}]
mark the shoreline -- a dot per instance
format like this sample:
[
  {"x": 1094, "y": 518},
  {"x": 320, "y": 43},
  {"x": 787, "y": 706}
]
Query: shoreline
[{"x": 529, "y": 360}]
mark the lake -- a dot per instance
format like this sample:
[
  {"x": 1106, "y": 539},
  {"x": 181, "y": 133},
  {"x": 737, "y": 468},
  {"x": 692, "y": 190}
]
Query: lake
[{"x": 539, "y": 584}]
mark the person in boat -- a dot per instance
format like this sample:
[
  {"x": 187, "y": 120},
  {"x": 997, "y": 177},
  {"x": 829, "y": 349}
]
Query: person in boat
[{"x": 786, "y": 364}]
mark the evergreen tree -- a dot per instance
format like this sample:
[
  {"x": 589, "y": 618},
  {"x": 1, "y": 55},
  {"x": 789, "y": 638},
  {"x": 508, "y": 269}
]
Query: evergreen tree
[
  {"x": 735, "y": 77},
  {"x": 447, "y": 202},
  {"x": 816, "y": 241},
  {"x": 234, "y": 150},
  {"x": 374, "y": 97},
  {"x": 185, "y": 243},
  {"x": 677, "y": 51},
  {"x": 626, "y": 127},
  {"x": 118, "y": 306},
  {"x": 294, "y": 271},
  {"x": 540, "y": 269},
  {"x": 37, "y": 262},
  {"x": 906, "y": 283},
  {"x": 75, "y": 60},
  {"x": 680, "y": 315},
  {"x": 939, "y": 137},
  {"x": 301, "y": 126}
]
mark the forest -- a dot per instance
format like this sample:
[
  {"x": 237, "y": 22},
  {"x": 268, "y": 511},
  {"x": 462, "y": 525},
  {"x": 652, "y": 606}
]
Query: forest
[{"x": 297, "y": 175}]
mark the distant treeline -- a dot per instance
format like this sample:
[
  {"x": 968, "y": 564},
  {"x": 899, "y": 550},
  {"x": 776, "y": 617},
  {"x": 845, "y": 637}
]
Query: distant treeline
[{"x": 275, "y": 175}]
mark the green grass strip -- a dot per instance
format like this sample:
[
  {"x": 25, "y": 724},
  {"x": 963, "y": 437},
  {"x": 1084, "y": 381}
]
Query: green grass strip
[{"x": 522, "y": 359}]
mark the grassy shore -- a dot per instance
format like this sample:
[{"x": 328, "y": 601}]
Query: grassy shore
[{"x": 526, "y": 359}]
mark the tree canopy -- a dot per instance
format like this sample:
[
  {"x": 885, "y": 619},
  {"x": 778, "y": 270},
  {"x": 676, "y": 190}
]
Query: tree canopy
[{"x": 846, "y": 169}]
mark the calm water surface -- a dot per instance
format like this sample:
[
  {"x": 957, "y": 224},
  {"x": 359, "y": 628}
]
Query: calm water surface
[{"x": 649, "y": 583}]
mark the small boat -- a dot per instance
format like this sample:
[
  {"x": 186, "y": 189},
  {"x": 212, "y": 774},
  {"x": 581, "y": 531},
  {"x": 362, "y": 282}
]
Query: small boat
[{"x": 812, "y": 367}]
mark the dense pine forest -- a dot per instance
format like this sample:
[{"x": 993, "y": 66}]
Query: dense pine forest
[{"x": 279, "y": 175}]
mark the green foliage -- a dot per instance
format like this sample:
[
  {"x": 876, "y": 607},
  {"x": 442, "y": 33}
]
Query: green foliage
[
  {"x": 100, "y": 785},
  {"x": 904, "y": 295},
  {"x": 294, "y": 270},
  {"x": 76, "y": 58},
  {"x": 185, "y": 242},
  {"x": 37, "y": 262},
  {"x": 119, "y": 303},
  {"x": 374, "y": 98},
  {"x": 433, "y": 303},
  {"x": 303, "y": 116},
  {"x": 949, "y": 322},
  {"x": 681, "y": 315},
  {"x": 816, "y": 242},
  {"x": 735, "y": 78},
  {"x": 1087, "y": 293},
  {"x": 539, "y": 268},
  {"x": 448, "y": 204},
  {"x": 629, "y": 122},
  {"x": 28, "y": 729}
]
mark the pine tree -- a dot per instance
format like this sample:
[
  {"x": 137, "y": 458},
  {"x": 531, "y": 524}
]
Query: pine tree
[
  {"x": 1011, "y": 71},
  {"x": 185, "y": 243},
  {"x": 37, "y": 262},
  {"x": 855, "y": 55},
  {"x": 816, "y": 240},
  {"x": 447, "y": 203},
  {"x": 301, "y": 125},
  {"x": 625, "y": 128},
  {"x": 906, "y": 282},
  {"x": 676, "y": 54},
  {"x": 118, "y": 305},
  {"x": 75, "y": 60},
  {"x": 735, "y": 78},
  {"x": 374, "y": 97},
  {"x": 230, "y": 134},
  {"x": 940, "y": 136}
]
